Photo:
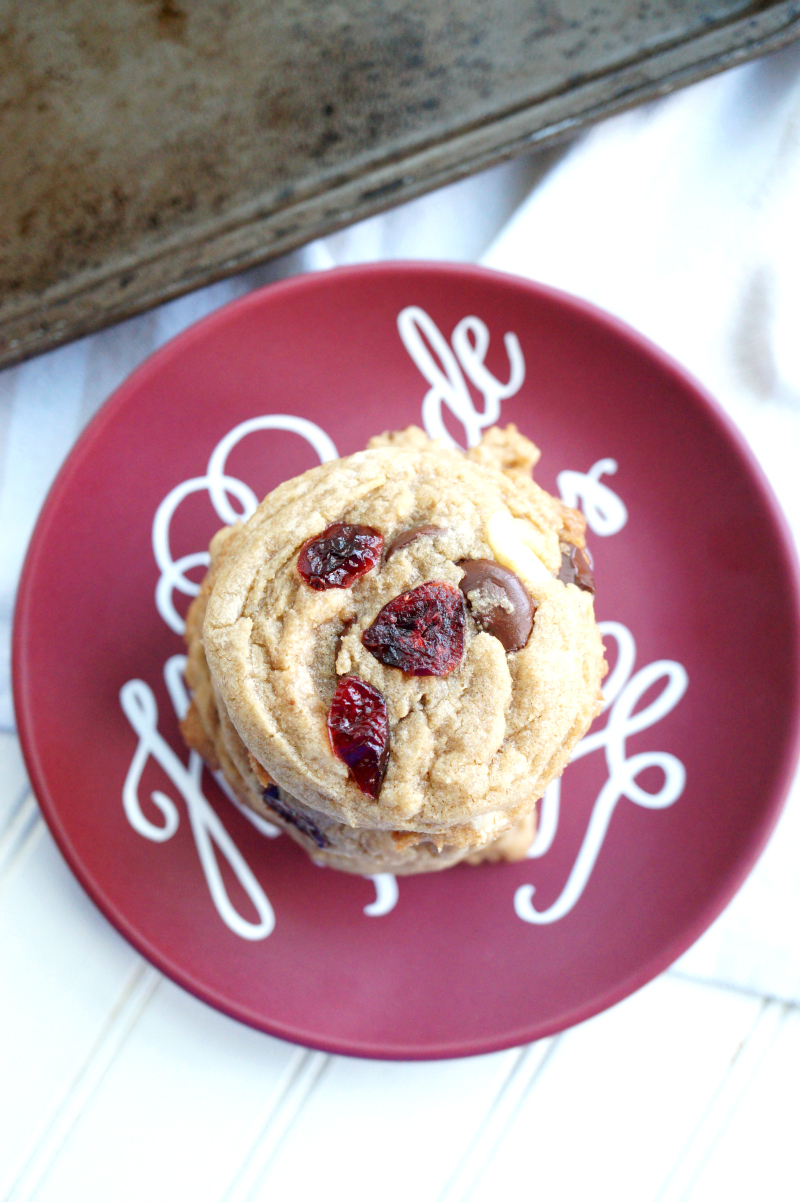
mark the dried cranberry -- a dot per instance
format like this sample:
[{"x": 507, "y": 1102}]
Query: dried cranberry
[
  {"x": 576, "y": 568},
  {"x": 358, "y": 728},
  {"x": 338, "y": 556},
  {"x": 421, "y": 632},
  {"x": 294, "y": 817}
]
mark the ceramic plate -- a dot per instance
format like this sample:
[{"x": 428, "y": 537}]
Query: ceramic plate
[{"x": 670, "y": 797}]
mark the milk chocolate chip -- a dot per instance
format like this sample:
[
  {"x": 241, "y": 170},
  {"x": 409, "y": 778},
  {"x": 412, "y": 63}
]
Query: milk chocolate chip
[
  {"x": 576, "y": 568},
  {"x": 410, "y": 536},
  {"x": 498, "y": 601}
]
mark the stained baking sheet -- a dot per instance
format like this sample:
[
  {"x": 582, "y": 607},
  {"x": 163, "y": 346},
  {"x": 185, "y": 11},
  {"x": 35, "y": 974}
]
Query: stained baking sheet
[{"x": 150, "y": 146}]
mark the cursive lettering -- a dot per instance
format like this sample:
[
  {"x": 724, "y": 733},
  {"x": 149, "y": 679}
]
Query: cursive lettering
[
  {"x": 386, "y": 894},
  {"x": 623, "y": 721},
  {"x": 604, "y": 511},
  {"x": 449, "y": 369},
  {"x": 219, "y": 487},
  {"x": 441, "y": 368},
  {"x": 140, "y": 708}
]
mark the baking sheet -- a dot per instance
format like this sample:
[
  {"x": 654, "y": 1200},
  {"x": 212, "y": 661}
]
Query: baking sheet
[{"x": 151, "y": 146}]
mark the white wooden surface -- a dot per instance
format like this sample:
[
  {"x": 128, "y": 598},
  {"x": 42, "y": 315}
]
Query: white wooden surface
[{"x": 114, "y": 1084}]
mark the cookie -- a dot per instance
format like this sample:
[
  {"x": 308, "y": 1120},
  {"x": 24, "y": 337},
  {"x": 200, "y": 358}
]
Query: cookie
[{"x": 399, "y": 652}]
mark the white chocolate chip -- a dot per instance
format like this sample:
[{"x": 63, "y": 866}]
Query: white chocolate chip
[
  {"x": 490, "y": 824},
  {"x": 509, "y": 540}
]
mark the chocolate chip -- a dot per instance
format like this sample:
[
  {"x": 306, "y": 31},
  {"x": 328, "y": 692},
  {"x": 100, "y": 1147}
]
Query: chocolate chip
[
  {"x": 498, "y": 601},
  {"x": 275, "y": 802},
  {"x": 409, "y": 536},
  {"x": 576, "y": 568}
]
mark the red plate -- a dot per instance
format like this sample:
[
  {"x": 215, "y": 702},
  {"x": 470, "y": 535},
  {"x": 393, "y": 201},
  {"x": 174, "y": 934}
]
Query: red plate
[{"x": 676, "y": 789}]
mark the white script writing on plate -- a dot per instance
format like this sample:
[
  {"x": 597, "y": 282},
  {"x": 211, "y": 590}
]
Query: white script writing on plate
[
  {"x": 139, "y": 706},
  {"x": 621, "y": 696},
  {"x": 442, "y": 368},
  {"x": 604, "y": 511},
  {"x": 446, "y": 369}
]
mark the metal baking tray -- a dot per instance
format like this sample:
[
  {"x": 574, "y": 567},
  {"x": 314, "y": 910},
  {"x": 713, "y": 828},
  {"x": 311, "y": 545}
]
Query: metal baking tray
[{"x": 151, "y": 146}]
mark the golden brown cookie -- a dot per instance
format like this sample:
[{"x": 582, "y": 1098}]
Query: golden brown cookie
[{"x": 469, "y": 542}]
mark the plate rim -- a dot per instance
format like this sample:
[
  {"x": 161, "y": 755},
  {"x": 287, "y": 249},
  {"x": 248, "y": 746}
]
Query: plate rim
[{"x": 26, "y": 721}]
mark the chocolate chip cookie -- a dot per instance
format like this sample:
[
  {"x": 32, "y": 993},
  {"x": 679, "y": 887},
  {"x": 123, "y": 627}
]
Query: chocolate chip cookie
[{"x": 397, "y": 653}]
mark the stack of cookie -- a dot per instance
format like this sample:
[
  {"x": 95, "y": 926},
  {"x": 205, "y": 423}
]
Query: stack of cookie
[{"x": 397, "y": 653}]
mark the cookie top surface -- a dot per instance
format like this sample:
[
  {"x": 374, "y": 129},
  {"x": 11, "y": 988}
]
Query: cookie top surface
[{"x": 475, "y": 745}]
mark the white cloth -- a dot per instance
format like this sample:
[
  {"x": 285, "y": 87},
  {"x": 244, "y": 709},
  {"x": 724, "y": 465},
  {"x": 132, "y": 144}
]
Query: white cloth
[{"x": 681, "y": 218}]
